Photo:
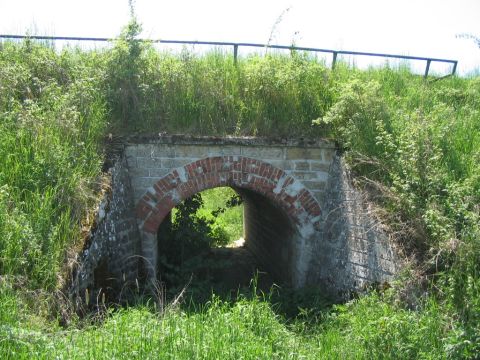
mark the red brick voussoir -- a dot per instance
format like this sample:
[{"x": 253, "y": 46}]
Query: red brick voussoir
[{"x": 236, "y": 171}]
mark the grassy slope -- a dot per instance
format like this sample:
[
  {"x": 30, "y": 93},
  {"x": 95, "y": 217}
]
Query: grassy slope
[
  {"x": 417, "y": 141},
  {"x": 51, "y": 119}
]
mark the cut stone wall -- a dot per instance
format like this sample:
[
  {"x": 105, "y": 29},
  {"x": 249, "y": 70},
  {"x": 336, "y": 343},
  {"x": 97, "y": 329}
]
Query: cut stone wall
[
  {"x": 152, "y": 159},
  {"x": 286, "y": 193},
  {"x": 355, "y": 250}
]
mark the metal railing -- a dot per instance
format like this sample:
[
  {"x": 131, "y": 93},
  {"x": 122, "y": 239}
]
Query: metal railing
[{"x": 235, "y": 46}]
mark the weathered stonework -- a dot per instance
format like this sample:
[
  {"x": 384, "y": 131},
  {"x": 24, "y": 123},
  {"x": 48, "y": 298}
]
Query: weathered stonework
[
  {"x": 110, "y": 264},
  {"x": 302, "y": 217},
  {"x": 353, "y": 240}
]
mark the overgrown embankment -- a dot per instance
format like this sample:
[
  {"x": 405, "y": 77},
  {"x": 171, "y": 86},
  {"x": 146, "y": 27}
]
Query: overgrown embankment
[
  {"x": 52, "y": 119},
  {"x": 414, "y": 145}
]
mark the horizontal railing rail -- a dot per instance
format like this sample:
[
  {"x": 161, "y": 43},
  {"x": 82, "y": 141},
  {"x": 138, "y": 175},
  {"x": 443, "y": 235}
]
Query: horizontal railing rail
[{"x": 236, "y": 46}]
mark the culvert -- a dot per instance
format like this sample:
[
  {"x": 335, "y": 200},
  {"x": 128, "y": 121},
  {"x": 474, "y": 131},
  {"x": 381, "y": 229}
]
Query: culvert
[{"x": 335, "y": 243}]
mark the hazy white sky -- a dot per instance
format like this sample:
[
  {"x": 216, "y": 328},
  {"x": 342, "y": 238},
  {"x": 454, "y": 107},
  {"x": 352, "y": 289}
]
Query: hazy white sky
[{"x": 409, "y": 27}]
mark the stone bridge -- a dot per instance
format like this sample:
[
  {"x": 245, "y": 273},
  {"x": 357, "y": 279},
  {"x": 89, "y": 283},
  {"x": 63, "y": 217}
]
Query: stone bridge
[{"x": 303, "y": 219}]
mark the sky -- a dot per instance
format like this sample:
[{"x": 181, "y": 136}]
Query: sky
[{"x": 427, "y": 28}]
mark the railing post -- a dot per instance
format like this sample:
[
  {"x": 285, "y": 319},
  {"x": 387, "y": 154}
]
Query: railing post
[
  {"x": 235, "y": 53},
  {"x": 334, "y": 61},
  {"x": 454, "y": 70},
  {"x": 427, "y": 69}
]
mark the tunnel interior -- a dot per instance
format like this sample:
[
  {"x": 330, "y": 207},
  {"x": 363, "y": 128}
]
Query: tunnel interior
[
  {"x": 269, "y": 235},
  {"x": 265, "y": 252}
]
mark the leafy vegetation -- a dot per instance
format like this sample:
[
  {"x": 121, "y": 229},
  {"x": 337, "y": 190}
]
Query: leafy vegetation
[
  {"x": 52, "y": 117},
  {"x": 419, "y": 146},
  {"x": 414, "y": 145},
  {"x": 223, "y": 206}
]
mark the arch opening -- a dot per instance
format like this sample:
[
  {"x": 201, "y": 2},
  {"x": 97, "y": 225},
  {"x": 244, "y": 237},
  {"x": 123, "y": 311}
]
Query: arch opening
[
  {"x": 196, "y": 241},
  {"x": 281, "y": 215}
]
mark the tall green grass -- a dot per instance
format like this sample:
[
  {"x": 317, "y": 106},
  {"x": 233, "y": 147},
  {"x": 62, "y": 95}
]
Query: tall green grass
[
  {"x": 368, "y": 328},
  {"x": 211, "y": 94},
  {"x": 51, "y": 120}
]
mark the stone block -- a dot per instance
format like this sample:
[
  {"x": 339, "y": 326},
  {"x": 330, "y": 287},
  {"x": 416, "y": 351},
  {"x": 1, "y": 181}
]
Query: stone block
[
  {"x": 217, "y": 150},
  {"x": 285, "y": 165},
  {"x": 263, "y": 153},
  {"x": 328, "y": 155},
  {"x": 304, "y": 175},
  {"x": 301, "y": 165},
  {"x": 318, "y": 194},
  {"x": 139, "y": 172},
  {"x": 162, "y": 150},
  {"x": 144, "y": 182},
  {"x": 315, "y": 185},
  {"x": 359, "y": 270},
  {"x": 356, "y": 242},
  {"x": 319, "y": 166},
  {"x": 131, "y": 162},
  {"x": 142, "y": 150},
  {"x": 296, "y": 153},
  {"x": 147, "y": 162},
  {"x": 322, "y": 176},
  {"x": 174, "y": 163},
  {"x": 359, "y": 257},
  {"x": 131, "y": 151},
  {"x": 158, "y": 173},
  {"x": 191, "y": 151}
]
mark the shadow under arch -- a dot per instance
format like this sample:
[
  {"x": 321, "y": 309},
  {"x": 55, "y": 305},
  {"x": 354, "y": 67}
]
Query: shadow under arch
[{"x": 247, "y": 176}]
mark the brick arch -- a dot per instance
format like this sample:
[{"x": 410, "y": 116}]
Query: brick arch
[{"x": 235, "y": 171}]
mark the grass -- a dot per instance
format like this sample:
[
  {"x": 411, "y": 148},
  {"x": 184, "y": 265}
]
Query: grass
[
  {"x": 249, "y": 328},
  {"x": 413, "y": 144},
  {"x": 51, "y": 120}
]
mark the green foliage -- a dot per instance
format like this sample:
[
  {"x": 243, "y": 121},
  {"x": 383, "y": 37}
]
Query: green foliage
[
  {"x": 371, "y": 327},
  {"x": 359, "y": 119},
  {"x": 51, "y": 118},
  {"x": 282, "y": 94},
  {"x": 422, "y": 143},
  {"x": 384, "y": 331},
  {"x": 154, "y": 92},
  {"x": 225, "y": 208},
  {"x": 125, "y": 77},
  {"x": 198, "y": 224},
  {"x": 184, "y": 246}
]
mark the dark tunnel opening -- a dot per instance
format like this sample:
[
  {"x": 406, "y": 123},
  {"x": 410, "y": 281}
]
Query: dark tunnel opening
[{"x": 266, "y": 252}]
